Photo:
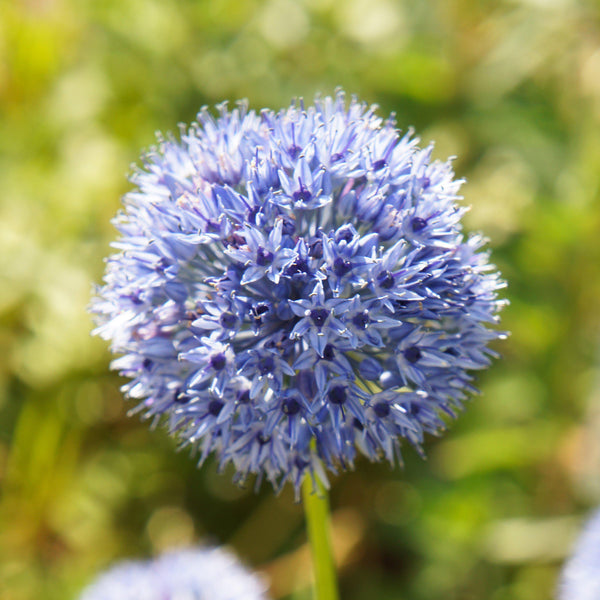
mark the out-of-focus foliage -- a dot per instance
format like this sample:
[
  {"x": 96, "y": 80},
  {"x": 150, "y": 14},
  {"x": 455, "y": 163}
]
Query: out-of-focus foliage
[{"x": 512, "y": 88}]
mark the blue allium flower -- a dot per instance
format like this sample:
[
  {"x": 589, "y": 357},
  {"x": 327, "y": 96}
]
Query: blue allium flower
[
  {"x": 195, "y": 574},
  {"x": 580, "y": 579},
  {"x": 292, "y": 288}
]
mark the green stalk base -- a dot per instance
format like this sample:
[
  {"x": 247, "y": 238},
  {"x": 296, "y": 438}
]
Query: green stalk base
[{"x": 316, "y": 511}]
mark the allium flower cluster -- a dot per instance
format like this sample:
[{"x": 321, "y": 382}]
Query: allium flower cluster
[
  {"x": 580, "y": 579},
  {"x": 198, "y": 574},
  {"x": 293, "y": 288}
]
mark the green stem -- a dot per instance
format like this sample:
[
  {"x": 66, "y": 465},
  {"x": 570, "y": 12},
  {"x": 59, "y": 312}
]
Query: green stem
[{"x": 316, "y": 511}]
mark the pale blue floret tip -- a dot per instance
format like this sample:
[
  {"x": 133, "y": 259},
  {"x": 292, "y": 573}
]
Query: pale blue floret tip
[
  {"x": 293, "y": 288},
  {"x": 189, "y": 574},
  {"x": 580, "y": 577}
]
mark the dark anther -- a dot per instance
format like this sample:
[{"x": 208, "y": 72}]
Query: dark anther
[
  {"x": 302, "y": 195},
  {"x": 382, "y": 409},
  {"x": 361, "y": 320},
  {"x": 243, "y": 397},
  {"x": 301, "y": 463},
  {"x": 319, "y": 316},
  {"x": 212, "y": 226},
  {"x": 294, "y": 150},
  {"x": 260, "y": 309},
  {"x": 252, "y": 214},
  {"x": 328, "y": 352},
  {"x": 412, "y": 354},
  {"x": 266, "y": 365},
  {"x": 288, "y": 227},
  {"x": 426, "y": 182},
  {"x": 417, "y": 224},
  {"x": 357, "y": 424},
  {"x": 180, "y": 398},
  {"x": 378, "y": 164},
  {"x": 218, "y": 361},
  {"x": 263, "y": 257},
  {"x": 337, "y": 157},
  {"x": 227, "y": 320},
  {"x": 315, "y": 249},
  {"x": 235, "y": 240},
  {"x": 386, "y": 280},
  {"x": 214, "y": 407},
  {"x": 344, "y": 233},
  {"x": 341, "y": 266},
  {"x": 147, "y": 363},
  {"x": 162, "y": 264},
  {"x": 290, "y": 406},
  {"x": 337, "y": 394},
  {"x": 263, "y": 439},
  {"x": 297, "y": 267}
]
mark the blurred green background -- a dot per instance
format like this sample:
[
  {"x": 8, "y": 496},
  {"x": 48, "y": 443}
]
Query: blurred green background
[{"x": 512, "y": 88}]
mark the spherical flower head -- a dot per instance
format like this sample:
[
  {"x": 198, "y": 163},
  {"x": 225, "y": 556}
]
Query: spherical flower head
[
  {"x": 293, "y": 288},
  {"x": 580, "y": 578},
  {"x": 195, "y": 574}
]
